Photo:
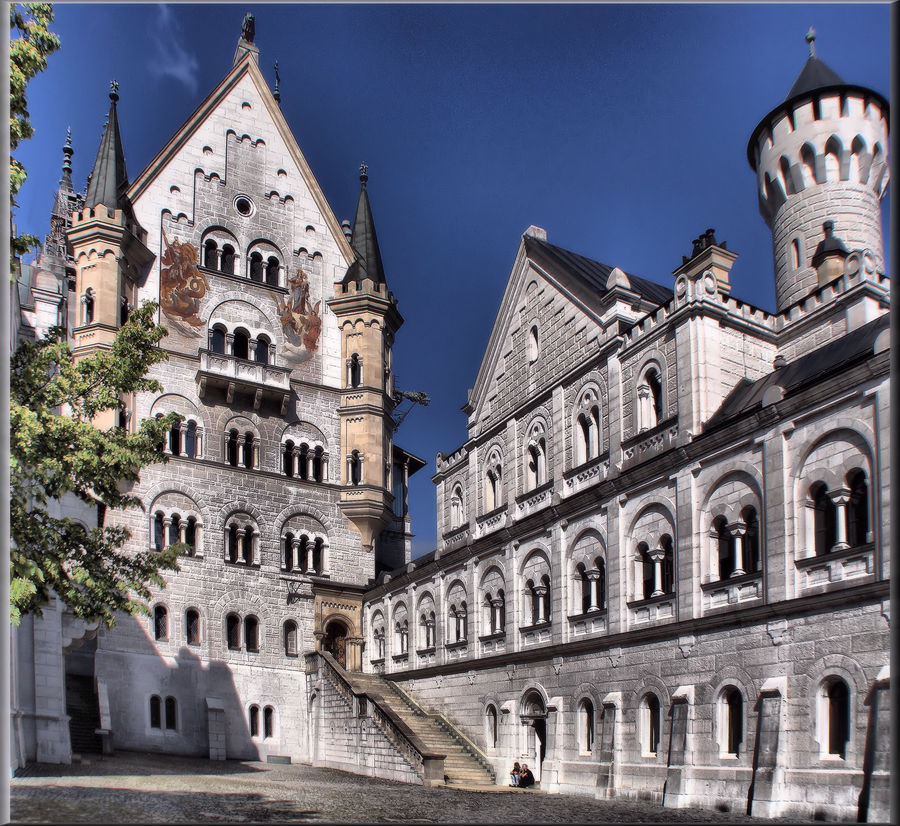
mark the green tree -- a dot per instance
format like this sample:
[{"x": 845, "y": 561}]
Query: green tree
[
  {"x": 56, "y": 450},
  {"x": 27, "y": 56}
]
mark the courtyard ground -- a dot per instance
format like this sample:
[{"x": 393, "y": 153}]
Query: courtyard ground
[{"x": 153, "y": 788}]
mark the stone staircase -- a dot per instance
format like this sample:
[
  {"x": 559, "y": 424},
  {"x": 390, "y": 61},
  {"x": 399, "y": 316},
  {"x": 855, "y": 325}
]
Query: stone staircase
[
  {"x": 84, "y": 715},
  {"x": 462, "y": 765}
]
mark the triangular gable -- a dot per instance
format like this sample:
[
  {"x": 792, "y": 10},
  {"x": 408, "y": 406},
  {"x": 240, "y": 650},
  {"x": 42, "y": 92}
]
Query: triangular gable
[{"x": 245, "y": 66}]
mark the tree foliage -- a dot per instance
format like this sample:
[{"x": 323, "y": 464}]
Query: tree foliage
[
  {"x": 27, "y": 56},
  {"x": 56, "y": 450}
]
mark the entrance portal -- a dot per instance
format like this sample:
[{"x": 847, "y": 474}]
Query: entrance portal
[
  {"x": 335, "y": 641},
  {"x": 534, "y": 719}
]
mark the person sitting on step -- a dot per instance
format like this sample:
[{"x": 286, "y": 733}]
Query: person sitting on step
[
  {"x": 514, "y": 775},
  {"x": 526, "y": 778}
]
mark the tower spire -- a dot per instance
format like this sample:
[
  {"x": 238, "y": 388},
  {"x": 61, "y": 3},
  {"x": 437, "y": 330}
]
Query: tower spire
[
  {"x": 108, "y": 181},
  {"x": 364, "y": 239},
  {"x": 65, "y": 183}
]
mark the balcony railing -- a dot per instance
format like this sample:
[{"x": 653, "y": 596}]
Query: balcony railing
[{"x": 236, "y": 374}]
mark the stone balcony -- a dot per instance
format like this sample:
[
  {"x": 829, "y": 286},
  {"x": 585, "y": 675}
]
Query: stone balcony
[
  {"x": 649, "y": 443},
  {"x": 534, "y": 500},
  {"x": 821, "y": 572},
  {"x": 237, "y": 375},
  {"x": 587, "y": 474},
  {"x": 728, "y": 593}
]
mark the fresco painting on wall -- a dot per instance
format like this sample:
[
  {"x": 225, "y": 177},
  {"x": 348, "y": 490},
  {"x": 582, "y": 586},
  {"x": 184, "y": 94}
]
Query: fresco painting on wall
[
  {"x": 181, "y": 286},
  {"x": 300, "y": 320}
]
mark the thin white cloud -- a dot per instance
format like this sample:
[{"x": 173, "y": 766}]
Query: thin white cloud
[{"x": 168, "y": 57}]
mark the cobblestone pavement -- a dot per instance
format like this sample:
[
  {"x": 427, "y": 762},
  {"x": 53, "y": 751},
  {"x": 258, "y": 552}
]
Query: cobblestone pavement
[{"x": 144, "y": 788}]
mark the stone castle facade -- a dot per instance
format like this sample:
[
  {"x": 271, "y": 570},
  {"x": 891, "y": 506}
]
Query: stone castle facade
[{"x": 662, "y": 566}]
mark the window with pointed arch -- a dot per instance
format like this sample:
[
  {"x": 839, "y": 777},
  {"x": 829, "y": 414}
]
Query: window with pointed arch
[
  {"x": 495, "y": 611},
  {"x": 834, "y": 717},
  {"x": 657, "y": 567},
  {"x": 492, "y": 729},
  {"x": 355, "y": 463},
  {"x": 192, "y": 626},
  {"x": 354, "y": 370},
  {"x": 857, "y": 509},
  {"x": 161, "y": 623},
  {"x": 824, "y": 518},
  {"x": 585, "y": 730},
  {"x": 456, "y": 508},
  {"x": 87, "y": 306},
  {"x": 730, "y": 722},
  {"x": 650, "y": 725},
  {"x": 493, "y": 492},
  {"x": 171, "y": 713},
  {"x": 650, "y": 398},
  {"x": 537, "y": 599},
  {"x": 156, "y": 711},
  {"x": 290, "y": 639},
  {"x": 426, "y": 626}
]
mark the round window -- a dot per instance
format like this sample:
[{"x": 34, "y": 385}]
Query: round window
[{"x": 243, "y": 205}]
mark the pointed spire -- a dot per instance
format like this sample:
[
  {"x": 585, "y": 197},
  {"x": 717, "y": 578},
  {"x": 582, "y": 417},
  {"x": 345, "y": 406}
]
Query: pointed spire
[
  {"x": 364, "y": 240},
  {"x": 108, "y": 181},
  {"x": 65, "y": 182},
  {"x": 815, "y": 74}
]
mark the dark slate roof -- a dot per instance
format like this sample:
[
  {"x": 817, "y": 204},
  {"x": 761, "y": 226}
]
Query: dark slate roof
[
  {"x": 365, "y": 243},
  {"x": 836, "y": 355},
  {"x": 585, "y": 277},
  {"x": 108, "y": 182},
  {"x": 815, "y": 74}
]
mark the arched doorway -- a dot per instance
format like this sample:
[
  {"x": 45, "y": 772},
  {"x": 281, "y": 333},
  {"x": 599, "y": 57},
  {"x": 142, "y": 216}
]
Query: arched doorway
[
  {"x": 335, "y": 641},
  {"x": 534, "y": 722}
]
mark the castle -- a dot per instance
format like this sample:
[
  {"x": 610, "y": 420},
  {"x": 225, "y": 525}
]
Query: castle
[{"x": 662, "y": 567}]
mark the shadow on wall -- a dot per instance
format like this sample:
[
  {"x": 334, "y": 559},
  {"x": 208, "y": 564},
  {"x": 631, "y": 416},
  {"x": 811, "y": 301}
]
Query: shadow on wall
[{"x": 177, "y": 704}]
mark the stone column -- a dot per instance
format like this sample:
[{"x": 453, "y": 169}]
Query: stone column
[
  {"x": 182, "y": 531},
  {"x": 738, "y": 530},
  {"x": 229, "y": 344},
  {"x": 594, "y": 576},
  {"x": 657, "y": 555},
  {"x": 241, "y": 535},
  {"x": 840, "y": 497},
  {"x": 198, "y": 439},
  {"x": 643, "y": 422},
  {"x": 167, "y": 524},
  {"x": 541, "y": 591}
]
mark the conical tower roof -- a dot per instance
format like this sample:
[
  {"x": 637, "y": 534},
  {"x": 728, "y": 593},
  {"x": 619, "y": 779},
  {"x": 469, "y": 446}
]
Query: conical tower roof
[
  {"x": 364, "y": 240},
  {"x": 108, "y": 182},
  {"x": 815, "y": 74}
]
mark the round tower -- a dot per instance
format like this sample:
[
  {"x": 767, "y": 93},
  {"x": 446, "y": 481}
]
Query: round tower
[{"x": 821, "y": 155}]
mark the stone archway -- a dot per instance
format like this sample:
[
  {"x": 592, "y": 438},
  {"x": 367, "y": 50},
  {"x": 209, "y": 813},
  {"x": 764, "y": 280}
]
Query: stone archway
[
  {"x": 534, "y": 720},
  {"x": 335, "y": 641}
]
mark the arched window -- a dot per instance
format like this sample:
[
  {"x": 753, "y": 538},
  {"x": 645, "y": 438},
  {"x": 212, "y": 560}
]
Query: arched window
[
  {"x": 174, "y": 529},
  {"x": 725, "y": 545},
  {"x": 262, "y": 350},
  {"x": 233, "y": 632},
  {"x": 586, "y": 587},
  {"x": 751, "y": 557},
  {"x": 650, "y": 725},
  {"x": 171, "y": 720},
  {"x": 493, "y": 496},
  {"x": 355, "y": 370},
  {"x": 241, "y": 345},
  {"x": 303, "y": 461},
  {"x": 254, "y": 721},
  {"x": 587, "y": 435},
  {"x": 731, "y": 722},
  {"x": 491, "y": 725},
  {"x": 190, "y": 535},
  {"x": 156, "y": 711},
  {"x": 122, "y": 418},
  {"x": 585, "y": 726},
  {"x": 287, "y": 458},
  {"x": 824, "y": 519},
  {"x": 303, "y": 553},
  {"x": 192, "y": 627},
  {"x": 402, "y": 631},
  {"x": 288, "y": 552},
  {"x": 211, "y": 255},
  {"x": 231, "y": 448},
  {"x": 124, "y": 311},
  {"x": 233, "y": 543},
  {"x": 256, "y": 267},
  {"x": 533, "y": 344},
  {"x": 272, "y": 266},
  {"x": 175, "y": 439},
  {"x": 251, "y": 633},
  {"x": 217, "y": 339},
  {"x": 654, "y": 381},
  {"x": 228, "y": 258},
  {"x": 318, "y": 460},
  {"x": 268, "y": 721},
  {"x": 190, "y": 439},
  {"x": 795, "y": 253},
  {"x": 290, "y": 638},
  {"x": 355, "y": 468},
  {"x": 158, "y": 531},
  {"x": 248, "y": 449},
  {"x": 857, "y": 509},
  {"x": 835, "y": 717},
  {"x": 160, "y": 623},
  {"x": 317, "y": 554},
  {"x": 536, "y": 464},
  {"x": 648, "y": 570},
  {"x": 668, "y": 564}
]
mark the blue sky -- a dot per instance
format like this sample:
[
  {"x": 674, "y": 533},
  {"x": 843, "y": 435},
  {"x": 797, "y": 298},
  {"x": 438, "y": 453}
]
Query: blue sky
[{"x": 620, "y": 129}]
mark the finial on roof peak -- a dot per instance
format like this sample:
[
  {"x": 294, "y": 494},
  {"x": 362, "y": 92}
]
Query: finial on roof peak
[
  {"x": 114, "y": 90},
  {"x": 811, "y": 39},
  {"x": 363, "y": 172},
  {"x": 68, "y": 151},
  {"x": 276, "y": 94}
]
